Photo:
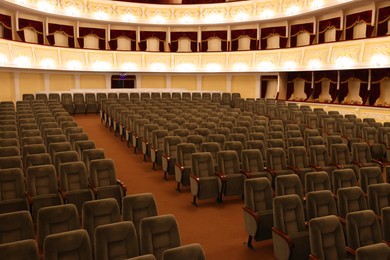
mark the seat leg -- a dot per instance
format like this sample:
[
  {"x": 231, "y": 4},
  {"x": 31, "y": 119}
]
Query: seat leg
[
  {"x": 249, "y": 243},
  {"x": 165, "y": 176},
  {"x": 194, "y": 201},
  {"x": 178, "y": 187}
]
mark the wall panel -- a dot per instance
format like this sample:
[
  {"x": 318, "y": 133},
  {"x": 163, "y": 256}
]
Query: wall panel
[
  {"x": 61, "y": 82},
  {"x": 7, "y": 92},
  {"x": 245, "y": 85},
  {"x": 184, "y": 82},
  {"x": 214, "y": 83},
  {"x": 92, "y": 81}
]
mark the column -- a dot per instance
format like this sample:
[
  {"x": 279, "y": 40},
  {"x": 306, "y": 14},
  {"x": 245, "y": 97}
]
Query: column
[
  {"x": 17, "y": 85},
  {"x": 199, "y": 82},
  {"x": 229, "y": 83},
  {"x": 77, "y": 81}
]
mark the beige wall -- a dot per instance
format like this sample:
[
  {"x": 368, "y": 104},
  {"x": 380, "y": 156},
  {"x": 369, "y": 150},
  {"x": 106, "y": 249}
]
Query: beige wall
[
  {"x": 245, "y": 85},
  {"x": 31, "y": 83},
  {"x": 214, "y": 83},
  {"x": 61, "y": 82},
  {"x": 92, "y": 81},
  {"x": 7, "y": 92},
  {"x": 157, "y": 81},
  {"x": 184, "y": 82}
]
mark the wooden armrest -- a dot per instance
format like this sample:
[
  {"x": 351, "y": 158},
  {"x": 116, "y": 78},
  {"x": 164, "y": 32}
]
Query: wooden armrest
[
  {"x": 252, "y": 213},
  {"x": 122, "y": 184},
  {"x": 145, "y": 141},
  {"x": 313, "y": 257},
  {"x": 350, "y": 251},
  {"x": 316, "y": 167},
  {"x": 294, "y": 169},
  {"x": 283, "y": 235},
  {"x": 271, "y": 171},
  {"x": 29, "y": 198},
  {"x": 165, "y": 156},
  {"x": 93, "y": 189},
  {"x": 387, "y": 243},
  {"x": 63, "y": 194},
  {"x": 196, "y": 178},
  {"x": 221, "y": 176},
  {"x": 342, "y": 220},
  {"x": 338, "y": 166},
  {"x": 246, "y": 173},
  {"x": 358, "y": 164},
  {"x": 179, "y": 166}
]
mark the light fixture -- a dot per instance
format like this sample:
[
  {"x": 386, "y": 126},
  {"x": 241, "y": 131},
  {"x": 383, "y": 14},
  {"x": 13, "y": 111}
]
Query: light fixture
[
  {"x": 379, "y": 60},
  {"x": 214, "y": 18},
  {"x": 72, "y": 11},
  {"x": 101, "y": 65},
  {"x": 213, "y": 67},
  {"x": 267, "y": 13},
  {"x": 241, "y": 16},
  {"x": 344, "y": 62},
  {"x": 158, "y": 66},
  {"x": 47, "y": 63},
  {"x": 73, "y": 64},
  {"x": 290, "y": 65},
  {"x": 129, "y": 66},
  {"x": 293, "y": 10},
  {"x": 240, "y": 66},
  {"x": 101, "y": 15},
  {"x": 315, "y": 64},
  {"x": 186, "y": 19},
  {"x": 3, "y": 59},
  {"x": 45, "y": 6},
  {"x": 266, "y": 66},
  {"x": 129, "y": 17},
  {"x": 186, "y": 67},
  {"x": 158, "y": 19},
  {"x": 22, "y": 61},
  {"x": 317, "y": 4}
]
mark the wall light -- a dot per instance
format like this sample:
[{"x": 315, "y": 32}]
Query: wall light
[
  {"x": 186, "y": 67},
  {"x": 317, "y": 4},
  {"x": 379, "y": 60},
  {"x": 158, "y": 19},
  {"x": 290, "y": 65},
  {"x": 158, "y": 66},
  {"x": 129, "y": 66},
  {"x": 72, "y": 11},
  {"x": 267, "y": 13},
  {"x": 22, "y": 61},
  {"x": 73, "y": 65},
  {"x": 241, "y": 16},
  {"x": 129, "y": 18},
  {"x": 101, "y": 15},
  {"x": 47, "y": 63},
  {"x": 214, "y": 18},
  {"x": 293, "y": 10},
  {"x": 266, "y": 66},
  {"x": 3, "y": 59},
  {"x": 344, "y": 62},
  {"x": 315, "y": 64},
  {"x": 186, "y": 19},
  {"x": 213, "y": 67},
  {"x": 240, "y": 66},
  {"x": 101, "y": 65},
  {"x": 45, "y": 6}
]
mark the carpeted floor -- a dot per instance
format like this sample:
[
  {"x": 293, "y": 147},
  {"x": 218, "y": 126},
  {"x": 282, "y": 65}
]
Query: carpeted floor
[{"x": 218, "y": 227}]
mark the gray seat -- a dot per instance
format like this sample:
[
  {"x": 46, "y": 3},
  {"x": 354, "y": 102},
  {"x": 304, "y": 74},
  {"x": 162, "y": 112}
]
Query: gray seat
[
  {"x": 16, "y": 226},
  {"x": 188, "y": 252},
  {"x": 368, "y": 176},
  {"x": 253, "y": 164},
  {"x": 258, "y": 214},
  {"x": 12, "y": 190},
  {"x": 349, "y": 200},
  {"x": 378, "y": 197},
  {"x": 169, "y": 155},
  {"x": 319, "y": 204},
  {"x": 375, "y": 251},
  {"x": 25, "y": 249},
  {"x": 158, "y": 234},
  {"x": 315, "y": 181},
  {"x": 183, "y": 163}
]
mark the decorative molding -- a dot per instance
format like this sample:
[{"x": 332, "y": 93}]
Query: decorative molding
[
  {"x": 234, "y": 12},
  {"x": 19, "y": 55}
]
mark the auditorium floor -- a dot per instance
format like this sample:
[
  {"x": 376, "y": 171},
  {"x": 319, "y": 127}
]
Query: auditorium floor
[{"x": 218, "y": 227}]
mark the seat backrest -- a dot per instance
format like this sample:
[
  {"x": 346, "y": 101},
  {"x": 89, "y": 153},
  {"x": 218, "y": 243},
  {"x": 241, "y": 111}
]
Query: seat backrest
[
  {"x": 258, "y": 194},
  {"x": 297, "y": 157},
  {"x": 158, "y": 138},
  {"x": 195, "y": 139},
  {"x": 342, "y": 178},
  {"x": 315, "y": 181},
  {"x": 329, "y": 227},
  {"x": 56, "y": 219},
  {"x": 16, "y": 226},
  {"x": 276, "y": 158},
  {"x": 340, "y": 154},
  {"x": 11, "y": 186},
  {"x": 361, "y": 152},
  {"x": 138, "y": 206},
  {"x": 92, "y": 154},
  {"x": 184, "y": 153},
  {"x": 252, "y": 160},
  {"x": 363, "y": 229},
  {"x": 24, "y": 249},
  {"x": 41, "y": 180},
  {"x": 202, "y": 164},
  {"x": 228, "y": 162},
  {"x": 190, "y": 252},
  {"x": 319, "y": 155},
  {"x": 369, "y": 176},
  {"x": 73, "y": 176},
  {"x": 370, "y": 134},
  {"x": 64, "y": 157},
  {"x": 170, "y": 145},
  {"x": 288, "y": 184},
  {"x": 99, "y": 212},
  {"x": 320, "y": 203},
  {"x": 350, "y": 199},
  {"x": 213, "y": 148},
  {"x": 68, "y": 245},
  {"x": 288, "y": 214},
  {"x": 378, "y": 197},
  {"x": 116, "y": 240},
  {"x": 11, "y": 162},
  {"x": 102, "y": 172},
  {"x": 158, "y": 234}
]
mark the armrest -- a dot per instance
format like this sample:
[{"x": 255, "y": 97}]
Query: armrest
[
  {"x": 246, "y": 173},
  {"x": 63, "y": 193},
  {"x": 342, "y": 221},
  {"x": 179, "y": 166},
  {"x": 145, "y": 141},
  {"x": 350, "y": 251},
  {"x": 338, "y": 166},
  {"x": 358, "y": 164},
  {"x": 313, "y": 257},
  {"x": 196, "y": 178},
  {"x": 252, "y": 213},
  {"x": 294, "y": 169},
  {"x": 165, "y": 156},
  {"x": 271, "y": 171},
  {"x": 221, "y": 176},
  {"x": 387, "y": 243},
  {"x": 122, "y": 184},
  {"x": 316, "y": 167},
  {"x": 94, "y": 190},
  {"x": 382, "y": 164},
  {"x": 29, "y": 198},
  {"x": 283, "y": 235}
]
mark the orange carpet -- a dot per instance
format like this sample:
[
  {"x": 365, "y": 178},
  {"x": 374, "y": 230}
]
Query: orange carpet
[{"x": 218, "y": 227}]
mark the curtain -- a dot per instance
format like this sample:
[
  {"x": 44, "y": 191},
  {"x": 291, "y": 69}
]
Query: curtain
[
  {"x": 296, "y": 29},
  {"x": 176, "y": 36},
  {"x": 160, "y": 36},
  {"x": 237, "y": 34},
  {"x": 36, "y": 26},
  {"x": 354, "y": 19},
  {"x": 325, "y": 25},
  {"x": 346, "y": 76},
  {"x": 383, "y": 20},
  {"x": 115, "y": 34},
  {"x": 68, "y": 30},
  {"x": 292, "y": 77},
  {"x": 5, "y": 21},
  {"x": 268, "y": 32},
  {"x": 99, "y": 33},
  {"x": 319, "y": 78},
  {"x": 207, "y": 35},
  {"x": 377, "y": 76}
]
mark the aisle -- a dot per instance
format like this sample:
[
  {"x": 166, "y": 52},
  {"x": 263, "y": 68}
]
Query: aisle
[{"x": 219, "y": 228}]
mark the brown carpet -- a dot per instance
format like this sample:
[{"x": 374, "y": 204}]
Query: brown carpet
[{"x": 218, "y": 227}]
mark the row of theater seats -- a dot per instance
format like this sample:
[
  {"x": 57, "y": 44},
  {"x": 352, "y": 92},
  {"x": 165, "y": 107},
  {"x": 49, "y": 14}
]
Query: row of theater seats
[
  {"x": 206, "y": 181},
  {"x": 80, "y": 103},
  {"x": 105, "y": 233},
  {"x": 56, "y": 197},
  {"x": 358, "y": 233}
]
